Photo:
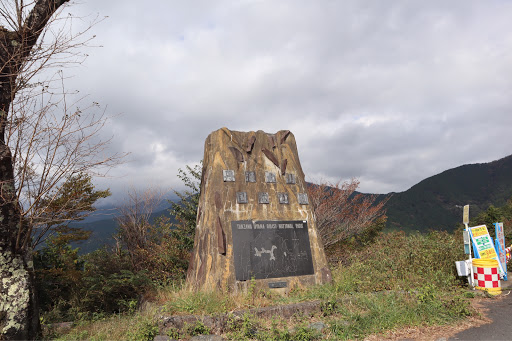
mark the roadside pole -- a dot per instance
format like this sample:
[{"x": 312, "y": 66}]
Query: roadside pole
[
  {"x": 499, "y": 245},
  {"x": 467, "y": 244}
]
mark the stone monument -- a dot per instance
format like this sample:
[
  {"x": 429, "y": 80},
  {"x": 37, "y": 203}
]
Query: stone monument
[{"x": 254, "y": 219}]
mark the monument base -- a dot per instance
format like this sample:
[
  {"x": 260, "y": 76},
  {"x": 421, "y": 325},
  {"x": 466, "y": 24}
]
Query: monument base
[{"x": 255, "y": 227}]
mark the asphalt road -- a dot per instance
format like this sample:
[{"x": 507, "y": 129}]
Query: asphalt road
[{"x": 500, "y": 312}]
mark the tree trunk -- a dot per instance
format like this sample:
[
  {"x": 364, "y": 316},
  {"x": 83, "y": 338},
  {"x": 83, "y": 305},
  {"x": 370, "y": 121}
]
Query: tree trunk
[{"x": 19, "y": 314}]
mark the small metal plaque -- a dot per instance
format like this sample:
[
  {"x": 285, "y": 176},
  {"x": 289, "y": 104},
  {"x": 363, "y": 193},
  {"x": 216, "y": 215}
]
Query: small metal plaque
[
  {"x": 229, "y": 175},
  {"x": 275, "y": 285},
  {"x": 303, "y": 199},
  {"x": 241, "y": 197},
  {"x": 465, "y": 236},
  {"x": 270, "y": 177},
  {"x": 283, "y": 198},
  {"x": 250, "y": 176},
  {"x": 263, "y": 198},
  {"x": 290, "y": 178}
]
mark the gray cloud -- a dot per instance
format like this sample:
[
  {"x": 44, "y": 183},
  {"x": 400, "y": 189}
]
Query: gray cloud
[{"x": 388, "y": 92}]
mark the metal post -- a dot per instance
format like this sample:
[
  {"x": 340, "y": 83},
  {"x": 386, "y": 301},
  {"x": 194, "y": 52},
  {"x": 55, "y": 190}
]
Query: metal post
[
  {"x": 470, "y": 277},
  {"x": 465, "y": 220}
]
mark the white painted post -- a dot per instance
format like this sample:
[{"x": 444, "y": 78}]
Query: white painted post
[{"x": 465, "y": 221}]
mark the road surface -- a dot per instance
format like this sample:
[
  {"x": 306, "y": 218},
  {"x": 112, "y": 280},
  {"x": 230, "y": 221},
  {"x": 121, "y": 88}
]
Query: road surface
[{"x": 499, "y": 310}]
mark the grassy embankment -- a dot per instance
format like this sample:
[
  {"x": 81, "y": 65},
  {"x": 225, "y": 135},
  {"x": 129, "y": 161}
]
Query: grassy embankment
[{"x": 396, "y": 282}]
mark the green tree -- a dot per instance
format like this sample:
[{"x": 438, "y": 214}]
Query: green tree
[
  {"x": 185, "y": 210},
  {"x": 73, "y": 201},
  {"x": 488, "y": 217},
  {"x": 492, "y": 214},
  {"x": 59, "y": 272}
]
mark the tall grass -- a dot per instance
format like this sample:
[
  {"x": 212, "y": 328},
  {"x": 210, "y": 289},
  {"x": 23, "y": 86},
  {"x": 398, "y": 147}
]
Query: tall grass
[
  {"x": 397, "y": 261},
  {"x": 398, "y": 281}
]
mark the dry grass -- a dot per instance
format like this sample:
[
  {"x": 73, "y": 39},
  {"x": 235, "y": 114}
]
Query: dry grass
[
  {"x": 406, "y": 294},
  {"x": 113, "y": 328},
  {"x": 117, "y": 327},
  {"x": 180, "y": 300},
  {"x": 433, "y": 333}
]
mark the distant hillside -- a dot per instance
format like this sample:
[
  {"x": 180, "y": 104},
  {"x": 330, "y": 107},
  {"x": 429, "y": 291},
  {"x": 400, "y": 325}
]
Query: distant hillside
[
  {"x": 102, "y": 231},
  {"x": 436, "y": 202}
]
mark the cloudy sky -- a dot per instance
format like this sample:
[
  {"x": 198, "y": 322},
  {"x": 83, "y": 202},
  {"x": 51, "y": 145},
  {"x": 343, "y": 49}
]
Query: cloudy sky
[{"x": 390, "y": 92}]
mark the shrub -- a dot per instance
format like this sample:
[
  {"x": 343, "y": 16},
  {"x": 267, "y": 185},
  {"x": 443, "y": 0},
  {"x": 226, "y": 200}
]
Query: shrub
[
  {"x": 145, "y": 330},
  {"x": 342, "y": 213},
  {"x": 198, "y": 328},
  {"x": 59, "y": 277},
  {"x": 305, "y": 333},
  {"x": 87, "y": 287},
  {"x": 400, "y": 262},
  {"x": 243, "y": 327}
]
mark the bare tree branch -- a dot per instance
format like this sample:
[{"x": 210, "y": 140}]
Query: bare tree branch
[
  {"x": 134, "y": 220},
  {"x": 341, "y": 212},
  {"x": 40, "y": 147}
]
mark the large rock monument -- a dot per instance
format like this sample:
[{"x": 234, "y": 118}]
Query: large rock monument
[{"x": 254, "y": 219}]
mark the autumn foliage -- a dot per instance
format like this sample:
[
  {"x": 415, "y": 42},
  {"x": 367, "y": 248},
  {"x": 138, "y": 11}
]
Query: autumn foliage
[
  {"x": 151, "y": 243},
  {"x": 341, "y": 212}
]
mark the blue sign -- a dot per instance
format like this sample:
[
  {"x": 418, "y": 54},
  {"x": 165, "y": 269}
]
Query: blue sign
[{"x": 500, "y": 247}]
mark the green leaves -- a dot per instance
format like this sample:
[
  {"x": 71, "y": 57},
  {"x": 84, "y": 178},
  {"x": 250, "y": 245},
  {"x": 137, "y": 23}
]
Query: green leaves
[
  {"x": 72, "y": 201},
  {"x": 185, "y": 211}
]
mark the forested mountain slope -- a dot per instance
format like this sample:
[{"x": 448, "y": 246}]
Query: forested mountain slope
[{"x": 436, "y": 202}]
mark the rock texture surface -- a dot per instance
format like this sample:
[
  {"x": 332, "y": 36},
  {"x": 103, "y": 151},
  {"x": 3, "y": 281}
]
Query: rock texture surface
[{"x": 252, "y": 177}]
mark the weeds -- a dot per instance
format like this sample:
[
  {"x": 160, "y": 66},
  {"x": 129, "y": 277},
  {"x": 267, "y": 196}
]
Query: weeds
[
  {"x": 275, "y": 333},
  {"x": 198, "y": 328},
  {"x": 197, "y": 303},
  {"x": 251, "y": 291},
  {"x": 249, "y": 328},
  {"x": 399, "y": 281},
  {"x": 242, "y": 328},
  {"x": 145, "y": 330},
  {"x": 329, "y": 307},
  {"x": 305, "y": 333},
  {"x": 174, "y": 333},
  {"x": 399, "y": 262}
]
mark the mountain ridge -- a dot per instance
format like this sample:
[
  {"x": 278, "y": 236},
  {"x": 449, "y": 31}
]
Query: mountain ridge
[{"x": 436, "y": 202}]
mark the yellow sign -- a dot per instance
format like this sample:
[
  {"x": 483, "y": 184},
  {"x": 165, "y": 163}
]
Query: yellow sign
[
  {"x": 479, "y": 231},
  {"x": 465, "y": 215},
  {"x": 483, "y": 243},
  {"x": 488, "y": 254}
]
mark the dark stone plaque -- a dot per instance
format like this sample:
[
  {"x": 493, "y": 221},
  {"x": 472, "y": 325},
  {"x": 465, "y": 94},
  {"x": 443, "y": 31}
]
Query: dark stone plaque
[
  {"x": 283, "y": 198},
  {"x": 250, "y": 176},
  {"x": 229, "y": 175},
  {"x": 303, "y": 199},
  {"x": 290, "y": 178},
  {"x": 270, "y": 177},
  {"x": 241, "y": 197},
  {"x": 263, "y": 198},
  {"x": 271, "y": 249}
]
